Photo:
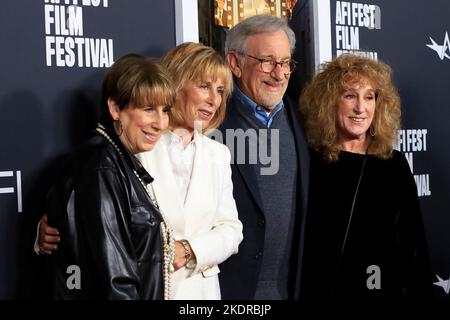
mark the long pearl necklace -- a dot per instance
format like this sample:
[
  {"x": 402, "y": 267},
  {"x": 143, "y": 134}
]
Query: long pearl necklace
[
  {"x": 166, "y": 230},
  {"x": 168, "y": 243}
]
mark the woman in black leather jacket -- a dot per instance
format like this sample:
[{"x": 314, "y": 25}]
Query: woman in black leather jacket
[{"x": 115, "y": 243}]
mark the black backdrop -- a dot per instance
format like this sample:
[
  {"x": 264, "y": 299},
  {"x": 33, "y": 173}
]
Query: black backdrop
[{"x": 46, "y": 110}]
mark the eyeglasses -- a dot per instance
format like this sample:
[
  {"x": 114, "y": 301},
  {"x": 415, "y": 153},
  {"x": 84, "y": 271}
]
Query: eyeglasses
[{"x": 268, "y": 65}]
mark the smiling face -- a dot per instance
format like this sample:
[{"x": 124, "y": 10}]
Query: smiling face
[
  {"x": 199, "y": 101},
  {"x": 142, "y": 126},
  {"x": 355, "y": 111},
  {"x": 266, "y": 89}
]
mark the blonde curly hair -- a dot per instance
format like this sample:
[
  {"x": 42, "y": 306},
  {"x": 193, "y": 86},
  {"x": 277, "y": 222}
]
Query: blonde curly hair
[{"x": 319, "y": 100}]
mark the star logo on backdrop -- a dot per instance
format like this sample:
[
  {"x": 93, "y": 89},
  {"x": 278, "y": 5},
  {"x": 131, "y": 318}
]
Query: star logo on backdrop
[
  {"x": 442, "y": 50},
  {"x": 445, "y": 284}
]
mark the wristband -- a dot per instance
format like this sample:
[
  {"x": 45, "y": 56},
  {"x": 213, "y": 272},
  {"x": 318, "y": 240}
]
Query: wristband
[{"x": 187, "y": 252}]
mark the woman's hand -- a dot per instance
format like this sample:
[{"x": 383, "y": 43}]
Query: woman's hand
[{"x": 183, "y": 254}]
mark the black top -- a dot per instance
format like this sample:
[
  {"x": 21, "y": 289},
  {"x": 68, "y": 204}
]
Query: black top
[{"x": 386, "y": 231}]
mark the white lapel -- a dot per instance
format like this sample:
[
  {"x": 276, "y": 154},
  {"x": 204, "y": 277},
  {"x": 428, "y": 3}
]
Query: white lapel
[{"x": 157, "y": 163}]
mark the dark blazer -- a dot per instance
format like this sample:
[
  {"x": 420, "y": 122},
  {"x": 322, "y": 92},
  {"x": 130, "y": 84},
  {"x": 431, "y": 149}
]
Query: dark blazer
[
  {"x": 108, "y": 227},
  {"x": 239, "y": 273}
]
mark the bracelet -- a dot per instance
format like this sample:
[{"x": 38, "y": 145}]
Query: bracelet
[{"x": 187, "y": 252}]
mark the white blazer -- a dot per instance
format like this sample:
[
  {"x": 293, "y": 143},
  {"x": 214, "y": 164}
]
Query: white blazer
[{"x": 207, "y": 218}]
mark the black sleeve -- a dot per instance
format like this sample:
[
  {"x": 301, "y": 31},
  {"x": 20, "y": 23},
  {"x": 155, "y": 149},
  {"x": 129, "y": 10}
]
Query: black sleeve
[
  {"x": 101, "y": 200},
  {"x": 411, "y": 237}
]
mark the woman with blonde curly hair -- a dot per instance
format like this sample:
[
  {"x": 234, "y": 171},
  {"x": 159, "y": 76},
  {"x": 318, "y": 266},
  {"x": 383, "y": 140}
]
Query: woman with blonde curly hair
[{"x": 364, "y": 233}]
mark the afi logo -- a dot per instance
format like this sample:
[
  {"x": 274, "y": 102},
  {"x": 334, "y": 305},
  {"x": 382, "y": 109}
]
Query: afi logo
[
  {"x": 9, "y": 175},
  {"x": 442, "y": 50},
  {"x": 445, "y": 284}
]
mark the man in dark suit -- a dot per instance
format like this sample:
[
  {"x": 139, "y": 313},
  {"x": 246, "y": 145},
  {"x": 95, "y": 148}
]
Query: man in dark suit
[{"x": 271, "y": 193}]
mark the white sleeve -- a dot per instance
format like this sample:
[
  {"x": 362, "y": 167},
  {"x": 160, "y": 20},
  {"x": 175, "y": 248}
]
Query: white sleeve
[{"x": 223, "y": 239}]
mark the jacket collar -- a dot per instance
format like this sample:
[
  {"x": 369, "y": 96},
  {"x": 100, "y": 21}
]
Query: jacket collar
[{"x": 109, "y": 134}]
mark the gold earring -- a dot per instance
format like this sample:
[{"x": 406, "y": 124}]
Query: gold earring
[
  {"x": 118, "y": 127},
  {"x": 372, "y": 131}
]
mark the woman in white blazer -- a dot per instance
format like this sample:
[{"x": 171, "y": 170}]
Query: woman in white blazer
[{"x": 192, "y": 172}]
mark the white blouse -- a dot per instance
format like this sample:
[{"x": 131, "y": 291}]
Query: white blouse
[{"x": 182, "y": 160}]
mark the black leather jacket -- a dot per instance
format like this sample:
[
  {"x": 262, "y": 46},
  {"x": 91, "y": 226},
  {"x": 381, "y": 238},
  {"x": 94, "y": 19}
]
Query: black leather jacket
[{"x": 108, "y": 227}]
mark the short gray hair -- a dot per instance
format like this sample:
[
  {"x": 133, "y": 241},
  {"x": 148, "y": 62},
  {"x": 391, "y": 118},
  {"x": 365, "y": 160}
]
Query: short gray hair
[{"x": 264, "y": 23}]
